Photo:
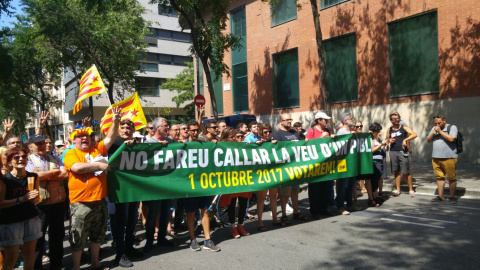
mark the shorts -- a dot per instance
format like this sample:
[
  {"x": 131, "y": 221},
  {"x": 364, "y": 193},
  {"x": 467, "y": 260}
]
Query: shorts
[
  {"x": 445, "y": 167},
  {"x": 287, "y": 191},
  {"x": 15, "y": 234},
  {"x": 193, "y": 204},
  {"x": 399, "y": 162},
  {"x": 88, "y": 221}
]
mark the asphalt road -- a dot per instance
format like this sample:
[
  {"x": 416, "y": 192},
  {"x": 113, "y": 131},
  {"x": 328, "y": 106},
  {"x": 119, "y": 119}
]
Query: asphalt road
[{"x": 404, "y": 233}]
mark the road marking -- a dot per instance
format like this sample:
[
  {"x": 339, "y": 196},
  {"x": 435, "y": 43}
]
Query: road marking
[
  {"x": 400, "y": 215},
  {"x": 413, "y": 223}
]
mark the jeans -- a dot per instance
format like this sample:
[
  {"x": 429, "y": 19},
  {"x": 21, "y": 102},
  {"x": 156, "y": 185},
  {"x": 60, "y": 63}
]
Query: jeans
[
  {"x": 345, "y": 191},
  {"x": 51, "y": 216},
  {"x": 162, "y": 206},
  {"x": 126, "y": 215},
  {"x": 318, "y": 197}
]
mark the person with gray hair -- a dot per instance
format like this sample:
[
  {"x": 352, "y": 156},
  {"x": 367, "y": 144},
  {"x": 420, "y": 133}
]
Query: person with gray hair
[
  {"x": 345, "y": 185},
  {"x": 183, "y": 132}
]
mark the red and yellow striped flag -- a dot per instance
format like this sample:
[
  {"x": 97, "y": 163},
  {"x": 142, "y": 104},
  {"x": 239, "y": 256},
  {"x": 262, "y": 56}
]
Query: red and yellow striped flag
[
  {"x": 131, "y": 110},
  {"x": 90, "y": 85}
]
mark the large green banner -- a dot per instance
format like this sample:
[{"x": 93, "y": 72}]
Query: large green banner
[{"x": 151, "y": 171}]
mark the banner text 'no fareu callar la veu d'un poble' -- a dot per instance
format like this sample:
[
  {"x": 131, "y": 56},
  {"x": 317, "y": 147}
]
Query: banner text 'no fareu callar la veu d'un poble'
[{"x": 151, "y": 171}]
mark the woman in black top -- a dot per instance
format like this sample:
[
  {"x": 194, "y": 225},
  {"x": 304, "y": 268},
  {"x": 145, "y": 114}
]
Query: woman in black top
[{"x": 19, "y": 222}]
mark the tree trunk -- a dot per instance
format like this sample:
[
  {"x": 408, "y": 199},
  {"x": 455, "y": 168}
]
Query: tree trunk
[
  {"x": 321, "y": 61},
  {"x": 213, "y": 99}
]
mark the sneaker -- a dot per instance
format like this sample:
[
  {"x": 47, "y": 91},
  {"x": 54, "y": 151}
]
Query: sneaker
[
  {"x": 235, "y": 233},
  {"x": 396, "y": 192},
  {"x": 123, "y": 262},
  {"x": 289, "y": 209},
  {"x": 412, "y": 193},
  {"x": 342, "y": 211},
  {"x": 210, "y": 245},
  {"x": 133, "y": 253},
  {"x": 354, "y": 208},
  {"x": 242, "y": 231},
  {"x": 195, "y": 246}
]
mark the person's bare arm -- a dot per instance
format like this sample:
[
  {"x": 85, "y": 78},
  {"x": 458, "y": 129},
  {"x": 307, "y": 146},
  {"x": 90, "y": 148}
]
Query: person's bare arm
[
  {"x": 411, "y": 135},
  {"x": 113, "y": 131},
  {"x": 27, "y": 197},
  {"x": 85, "y": 167},
  {"x": 7, "y": 127},
  {"x": 42, "y": 119},
  {"x": 200, "y": 118},
  {"x": 54, "y": 174},
  {"x": 445, "y": 135}
]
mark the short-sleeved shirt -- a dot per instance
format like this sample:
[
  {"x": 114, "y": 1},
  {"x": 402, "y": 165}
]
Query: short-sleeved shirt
[
  {"x": 282, "y": 135},
  {"x": 85, "y": 187},
  {"x": 251, "y": 138},
  {"x": 16, "y": 188},
  {"x": 314, "y": 133},
  {"x": 45, "y": 163},
  {"x": 441, "y": 147},
  {"x": 153, "y": 140}
]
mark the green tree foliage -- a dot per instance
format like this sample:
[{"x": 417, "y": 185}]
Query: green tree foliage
[
  {"x": 183, "y": 85},
  {"x": 33, "y": 66},
  {"x": 108, "y": 34},
  {"x": 206, "y": 20}
]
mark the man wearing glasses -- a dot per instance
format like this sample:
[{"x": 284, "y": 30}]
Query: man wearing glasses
[
  {"x": 212, "y": 131},
  {"x": 87, "y": 184},
  {"x": 150, "y": 131},
  {"x": 183, "y": 132},
  {"x": 444, "y": 156},
  {"x": 203, "y": 203}
]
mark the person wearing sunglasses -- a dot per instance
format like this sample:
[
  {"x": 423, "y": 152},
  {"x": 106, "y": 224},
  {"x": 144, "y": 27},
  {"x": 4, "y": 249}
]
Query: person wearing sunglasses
[
  {"x": 19, "y": 221},
  {"x": 212, "y": 131},
  {"x": 183, "y": 132},
  {"x": 87, "y": 184},
  {"x": 150, "y": 131}
]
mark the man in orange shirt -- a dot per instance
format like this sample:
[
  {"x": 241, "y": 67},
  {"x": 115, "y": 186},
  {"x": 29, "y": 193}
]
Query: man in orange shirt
[{"x": 87, "y": 184}]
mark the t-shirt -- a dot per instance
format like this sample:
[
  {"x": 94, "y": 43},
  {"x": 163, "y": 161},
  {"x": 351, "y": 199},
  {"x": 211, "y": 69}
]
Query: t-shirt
[
  {"x": 153, "y": 140},
  {"x": 314, "y": 133},
  {"x": 14, "y": 188},
  {"x": 85, "y": 187},
  {"x": 443, "y": 148},
  {"x": 343, "y": 131},
  {"x": 251, "y": 138},
  {"x": 282, "y": 135}
]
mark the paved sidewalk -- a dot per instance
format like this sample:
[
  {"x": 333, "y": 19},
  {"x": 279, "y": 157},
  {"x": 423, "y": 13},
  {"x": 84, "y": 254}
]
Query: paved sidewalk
[{"x": 424, "y": 181}]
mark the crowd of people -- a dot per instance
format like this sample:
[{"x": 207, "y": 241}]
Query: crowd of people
[{"x": 43, "y": 181}]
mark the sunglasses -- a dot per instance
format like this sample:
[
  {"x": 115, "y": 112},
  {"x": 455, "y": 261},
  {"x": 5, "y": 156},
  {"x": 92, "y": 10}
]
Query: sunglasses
[
  {"x": 194, "y": 130},
  {"x": 214, "y": 127},
  {"x": 361, "y": 126},
  {"x": 267, "y": 131},
  {"x": 149, "y": 127},
  {"x": 184, "y": 128},
  {"x": 17, "y": 157}
]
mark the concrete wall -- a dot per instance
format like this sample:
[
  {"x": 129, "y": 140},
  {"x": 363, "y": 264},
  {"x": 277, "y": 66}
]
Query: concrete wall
[{"x": 460, "y": 112}]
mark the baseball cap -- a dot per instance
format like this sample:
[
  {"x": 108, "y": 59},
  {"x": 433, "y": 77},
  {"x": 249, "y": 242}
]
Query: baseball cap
[
  {"x": 322, "y": 115},
  {"x": 36, "y": 138},
  {"x": 59, "y": 143}
]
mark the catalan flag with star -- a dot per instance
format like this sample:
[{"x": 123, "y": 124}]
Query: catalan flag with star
[
  {"x": 90, "y": 85},
  {"x": 131, "y": 110}
]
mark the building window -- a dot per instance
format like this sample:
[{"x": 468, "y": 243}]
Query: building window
[
  {"x": 149, "y": 67},
  {"x": 239, "y": 61},
  {"x": 413, "y": 55},
  {"x": 341, "y": 62},
  {"x": 329, "y": 3},
  {"x": 173, "y": 35},
  {"x": 283, "y": 11},
  {"x": 149, "y": 87},
  {"x": 285, "y": 79}
]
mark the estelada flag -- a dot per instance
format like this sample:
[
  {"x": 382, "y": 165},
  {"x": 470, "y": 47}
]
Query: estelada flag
[
  {"x": 90, "y": 85},
  {"x": 131, "y": 110}
]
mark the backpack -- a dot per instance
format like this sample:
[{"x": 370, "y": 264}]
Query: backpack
[{"x": 458, "y": 140}]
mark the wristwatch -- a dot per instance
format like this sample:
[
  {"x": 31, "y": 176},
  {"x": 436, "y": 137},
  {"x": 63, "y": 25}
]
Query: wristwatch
[{"x": 18, "y": 200}]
